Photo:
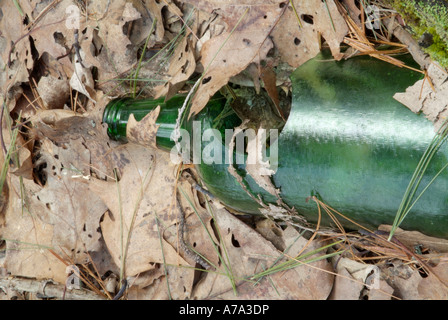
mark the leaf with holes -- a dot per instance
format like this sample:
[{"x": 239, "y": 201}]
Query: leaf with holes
[
  {"x": 15, "y": 47},
  {"x": 182, "y": 66},
  {"x": 253, "y": 30},
  {"x": 297, "y": 37},
  {"x": 62, "y": 214},
  {"x": 245, "y": 40},
  {"x": 51, "y": 31},
  {"x": 28, "y": 237}
]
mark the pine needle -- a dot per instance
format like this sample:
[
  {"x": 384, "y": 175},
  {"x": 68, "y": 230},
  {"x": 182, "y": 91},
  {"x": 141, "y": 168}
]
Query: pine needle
[
  {"x": 329, "y": 15},
  {"x": 358, "y": 40}
]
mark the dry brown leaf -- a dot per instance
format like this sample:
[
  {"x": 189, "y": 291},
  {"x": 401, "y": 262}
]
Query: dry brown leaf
[
  {"x": 52, "y": 32},
  {"x": 259, "y": 169},
  {"x": 153, "y": 283},
  {"x": 346, "y": 287},
  {"x": 356, "y": 281},
  {"x": 248, "y": 253},
  {"x": 272, "y": 232},
  {"x": 70, "y": 207},
  {"x": 144, "y": 194},
  {"x": 268, "y": 77},
  {"x": 230, "y": 53},
  {"x": 410, "y": 284},
  {"x": 116, "y": 30},
  {"x": 116, "y": 42},
  {"x": 421, "y": 97},
  {"x": 143, "y": 132},
  {"x": 53, "y": 91},
  {"x": 177, "y": 285},
  {"x": 156, "y": 8},
  {"x": 61, "y": 126},
  {"x": 297, "y": 44},
  {"x": 385, "y": 292},
  {"x": 28, "y": 238},
  {"x": 412, "y": 239},
  {"x": 62, "y": 214},
  {"x": 25, "y": 167},
  {"x": 82, "y": 81},
  {"x": 182, "y": 66},
  {"x": 432, "y": 287},
  {"x": 15, "y": 48},
  {"x": 52, "y": 117},
  {"x": 18, "y": 45}
]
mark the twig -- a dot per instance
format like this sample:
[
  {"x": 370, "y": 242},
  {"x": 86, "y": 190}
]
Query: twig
[
  {"x": 43, "y": 12},
  {"x": 183, "y": 246},
  {"x": 77, "y": 47},
  {"x": 5, "y": 150},
  {"x": 188, "y": 177},
  {"x": 48, "y": 289},
  {"x": 405, "y": 37}
]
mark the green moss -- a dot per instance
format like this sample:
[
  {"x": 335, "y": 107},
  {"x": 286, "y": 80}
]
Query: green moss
[{"x": 427, "y": 16}]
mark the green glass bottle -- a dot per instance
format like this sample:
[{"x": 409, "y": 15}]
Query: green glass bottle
[{"x": 346, "y": 140}]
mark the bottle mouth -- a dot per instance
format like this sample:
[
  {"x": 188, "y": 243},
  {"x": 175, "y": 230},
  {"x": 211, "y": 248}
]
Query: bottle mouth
[{"x": 111, "y": 116}]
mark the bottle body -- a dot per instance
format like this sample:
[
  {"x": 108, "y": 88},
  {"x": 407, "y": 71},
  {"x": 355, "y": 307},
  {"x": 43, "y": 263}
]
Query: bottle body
[{"x": 348, "y": 141}]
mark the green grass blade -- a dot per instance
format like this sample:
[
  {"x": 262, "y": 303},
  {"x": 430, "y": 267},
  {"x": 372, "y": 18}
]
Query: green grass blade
[
  {"x": 409, "y": 197},
  {"x": 141, "y": 57},
  {"x": 11, "y": 150},
  {"x": 18, "y": 7}
]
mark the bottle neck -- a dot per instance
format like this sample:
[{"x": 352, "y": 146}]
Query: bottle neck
[{"x": 117, "y": 113}]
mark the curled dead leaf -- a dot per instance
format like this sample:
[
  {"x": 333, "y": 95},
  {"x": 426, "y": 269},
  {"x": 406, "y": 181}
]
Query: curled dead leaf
[
  {"x": 82, "y": 81},
  {"x": 143, "y": 132}
]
